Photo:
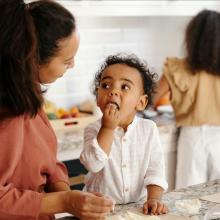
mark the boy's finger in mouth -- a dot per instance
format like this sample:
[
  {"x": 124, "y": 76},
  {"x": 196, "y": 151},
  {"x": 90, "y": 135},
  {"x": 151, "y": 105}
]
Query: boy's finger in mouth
[{"x": 114, "y": 104}]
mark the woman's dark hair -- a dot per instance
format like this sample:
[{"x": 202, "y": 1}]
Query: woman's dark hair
[
  {"x": 203, "y": 42},
  {"x": 30, "y": 35},
  {"x": 148, "y": 77}
]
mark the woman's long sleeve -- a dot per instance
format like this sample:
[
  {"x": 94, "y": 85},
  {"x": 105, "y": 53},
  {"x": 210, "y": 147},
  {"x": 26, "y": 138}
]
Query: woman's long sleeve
[
  {"x": 28, "y": 165},
  {"x": 15, "y": 202}
]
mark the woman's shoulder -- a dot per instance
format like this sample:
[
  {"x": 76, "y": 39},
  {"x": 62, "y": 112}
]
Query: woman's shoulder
[
  {"x": 19, "y": 122},
  {"x": 11, "y": 122},
  {"x": 11, "y": 135}
]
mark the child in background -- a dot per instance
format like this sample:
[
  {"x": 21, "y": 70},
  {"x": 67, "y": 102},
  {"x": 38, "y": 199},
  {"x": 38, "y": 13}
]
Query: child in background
[
  {"x": 121, "y": 151},
  {"x": 194, "y": 83}
]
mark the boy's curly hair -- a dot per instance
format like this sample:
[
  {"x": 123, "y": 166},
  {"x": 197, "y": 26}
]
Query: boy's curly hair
[{"x": 148, "y": 78}]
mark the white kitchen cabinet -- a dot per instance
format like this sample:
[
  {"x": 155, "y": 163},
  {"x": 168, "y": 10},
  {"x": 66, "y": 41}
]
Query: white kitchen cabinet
[
  {"x": 138, "y": 8},
  {"x": 168, "y": 137},
  {"x": 69, "y": 134}
]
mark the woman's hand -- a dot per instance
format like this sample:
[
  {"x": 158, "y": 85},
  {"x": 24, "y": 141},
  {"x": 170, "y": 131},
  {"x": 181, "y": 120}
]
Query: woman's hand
[
  {"x": 88, "y": 206},
  {"x": 154, "y": 207},
  {"x": 58, "y": 186}
]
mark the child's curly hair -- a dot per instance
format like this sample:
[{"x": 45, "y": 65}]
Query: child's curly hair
[
  {"x": 149, "y": 78},
  {"x": 202, "y": 40}
]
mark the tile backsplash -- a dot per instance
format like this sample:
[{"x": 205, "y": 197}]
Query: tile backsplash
[{"x": 150, "y": 38}]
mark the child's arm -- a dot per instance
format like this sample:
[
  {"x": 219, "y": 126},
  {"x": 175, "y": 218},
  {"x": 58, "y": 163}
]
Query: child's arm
[
  {"x": 155, "y": 177},
  {"x": 154, "y": 192},
  {"x": 105, "y": 139},
  {"x": 153, "y": 205},
  {"x": 98, "y": 143},
  {"x": 162, "y": 89},
  {"x": 110, "y": 121}
]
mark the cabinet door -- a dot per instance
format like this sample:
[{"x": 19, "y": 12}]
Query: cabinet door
[{"x": 76, "y": 173}]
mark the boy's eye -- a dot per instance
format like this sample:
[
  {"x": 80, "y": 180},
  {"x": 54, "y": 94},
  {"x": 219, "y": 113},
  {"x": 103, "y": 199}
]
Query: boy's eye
[
  {"x": 125, "y": 87},
  {"x": 68, "y": 63},
  {"x": 105, "y": 86}
]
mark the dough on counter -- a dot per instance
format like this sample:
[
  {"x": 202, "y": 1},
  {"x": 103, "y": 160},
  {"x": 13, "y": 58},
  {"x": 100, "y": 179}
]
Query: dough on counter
[
  {"x": 188, "y": 206},
  {"x": 114, "y": 217},
  {"x": 132, "y": 216}
]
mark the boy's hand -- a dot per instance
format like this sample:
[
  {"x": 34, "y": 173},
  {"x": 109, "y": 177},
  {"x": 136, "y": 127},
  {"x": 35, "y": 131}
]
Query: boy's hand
[
  {"x": 110, "y": 119},
  {"x": 154, "y": 207}
]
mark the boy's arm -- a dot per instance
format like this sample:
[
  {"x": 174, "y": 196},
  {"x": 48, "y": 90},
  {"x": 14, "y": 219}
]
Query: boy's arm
[
  {"x": 153, "y": 205},
  {"x": 155, "y": 174},
  {"x": 105, "y": 139},
  {"x": 154, "y": 192},
  {"x": 155, "y": 178},
  {"x": 92, "y": 156},
  {"x": 97, "y": 144}
]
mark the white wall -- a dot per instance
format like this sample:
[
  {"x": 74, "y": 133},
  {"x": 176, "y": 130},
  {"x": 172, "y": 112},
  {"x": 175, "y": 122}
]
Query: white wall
[{"x": 151, "y": 38}]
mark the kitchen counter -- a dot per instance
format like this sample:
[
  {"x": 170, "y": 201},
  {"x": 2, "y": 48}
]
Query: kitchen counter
[{"x": 192, "y": 192}]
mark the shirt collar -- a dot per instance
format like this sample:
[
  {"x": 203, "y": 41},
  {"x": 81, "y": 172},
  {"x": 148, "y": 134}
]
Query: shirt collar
[{"x": 129, "y": 128}]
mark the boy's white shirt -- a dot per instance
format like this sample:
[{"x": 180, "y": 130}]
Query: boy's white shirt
[{"x": 135, "y": 161}]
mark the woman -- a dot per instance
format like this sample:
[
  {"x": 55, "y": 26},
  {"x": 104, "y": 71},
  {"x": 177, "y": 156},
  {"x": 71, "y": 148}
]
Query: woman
[
  {"x": 194, "y": 83},
  {"x": 38, "y": 42}
]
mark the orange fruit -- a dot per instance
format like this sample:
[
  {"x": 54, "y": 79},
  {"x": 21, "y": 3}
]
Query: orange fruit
[
  {"x": 62, "y": 113},
  {"x": 74, "y": 111},
  {"x": 165, "y": 100}
]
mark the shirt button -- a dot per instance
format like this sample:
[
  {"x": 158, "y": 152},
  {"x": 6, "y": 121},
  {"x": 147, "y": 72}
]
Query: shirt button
[
  {"x": 126, "y": 190},
  {"x": 124, "y": 165},
  {"x": 124, "y": 139}
]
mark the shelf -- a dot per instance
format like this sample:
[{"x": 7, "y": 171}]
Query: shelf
[{"x": 139, "y": 8}]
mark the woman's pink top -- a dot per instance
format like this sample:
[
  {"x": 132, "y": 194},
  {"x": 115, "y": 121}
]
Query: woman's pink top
[{"x": 27, "y": 164}]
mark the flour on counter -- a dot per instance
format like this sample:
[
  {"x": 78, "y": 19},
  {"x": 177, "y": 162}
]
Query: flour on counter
[
  {"x": 115, "y": 217},
  {"x": 132, "y": 216},
  {"x": 188, "y": 206}
]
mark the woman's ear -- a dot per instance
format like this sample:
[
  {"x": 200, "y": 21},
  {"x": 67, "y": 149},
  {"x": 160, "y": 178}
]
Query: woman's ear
[{"x": 142, "y": 103}]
